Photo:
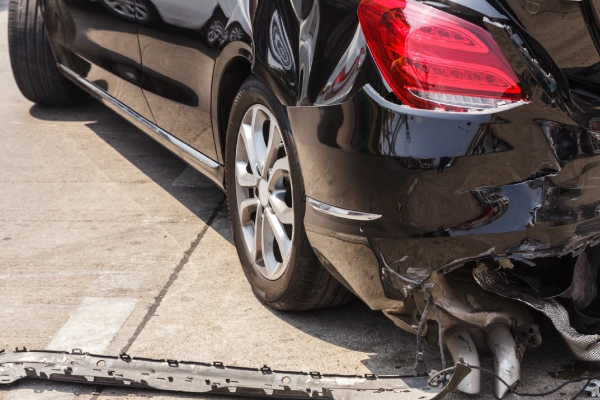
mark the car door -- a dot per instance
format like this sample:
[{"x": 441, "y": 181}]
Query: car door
[
  {"x": 178, "y": 56},
  {"x": 97, "y": 39}
]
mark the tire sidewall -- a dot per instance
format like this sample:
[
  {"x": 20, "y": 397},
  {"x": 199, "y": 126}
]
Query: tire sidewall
[{"x": 254, "y": 91}]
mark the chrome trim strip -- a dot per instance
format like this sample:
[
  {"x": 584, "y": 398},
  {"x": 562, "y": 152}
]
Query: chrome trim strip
[
  {"x": 437, "y": 113},
  {"x": 209, "y": 162},
  {"x": 341, "y": 212}
]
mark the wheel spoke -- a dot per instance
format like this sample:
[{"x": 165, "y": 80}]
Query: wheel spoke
[
  {"x": 258, "y": 236},
  {"x": 280, "y": 168},
  {"x": 285, "y": 244},
  {"x": 247, "y": 133},
  {"x": 278, "y": 204},
  {"x": 271, "y": 264},
  {"x": 279, "y": 191},
  {"x": 258, "y": 124},
  {"x": 247, "y": 207},
  {"x": 128, "y": 8},
  {"x": 249, "y": 228},
  {"x": 272, "y": 149},
  {"x": 141, "y": 13},
  {"x": 244, "y": 178}
]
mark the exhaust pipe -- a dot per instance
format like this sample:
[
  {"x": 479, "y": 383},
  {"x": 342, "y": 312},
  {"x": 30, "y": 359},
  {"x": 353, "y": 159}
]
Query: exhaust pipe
[
  {"x": 506, "y": 363},
  {"x": 460, "y": 344}
]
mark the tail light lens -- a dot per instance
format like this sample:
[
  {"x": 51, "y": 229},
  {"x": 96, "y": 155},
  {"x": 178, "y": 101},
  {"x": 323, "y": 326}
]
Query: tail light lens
[{"x": 434, "y": 60}]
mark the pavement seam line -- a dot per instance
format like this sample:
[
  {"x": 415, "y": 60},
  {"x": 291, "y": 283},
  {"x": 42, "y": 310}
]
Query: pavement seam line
[
  {"x": 97, "y": 392},
  {"x": 173, "y": 277}
]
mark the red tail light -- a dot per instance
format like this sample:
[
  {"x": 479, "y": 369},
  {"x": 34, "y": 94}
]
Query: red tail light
[{"x": 432, "y": 59}]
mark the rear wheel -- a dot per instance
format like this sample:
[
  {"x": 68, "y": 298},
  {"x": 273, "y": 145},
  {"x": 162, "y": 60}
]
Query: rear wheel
[
  {"x": 266, "y": 206},
  {"x": 32, "y": 60}
]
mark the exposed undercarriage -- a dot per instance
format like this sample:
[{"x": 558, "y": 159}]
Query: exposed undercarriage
[{"x": 483, "y": 307}]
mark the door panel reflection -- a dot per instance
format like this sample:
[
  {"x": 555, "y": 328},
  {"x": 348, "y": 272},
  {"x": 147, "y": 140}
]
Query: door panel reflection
[
  {"x": 100, "y": 45},
  {"x": 178, "y": 50}
]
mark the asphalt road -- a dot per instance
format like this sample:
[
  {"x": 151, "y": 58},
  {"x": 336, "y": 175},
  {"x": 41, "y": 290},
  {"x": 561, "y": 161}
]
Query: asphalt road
[{"x": 109, "y": 243}]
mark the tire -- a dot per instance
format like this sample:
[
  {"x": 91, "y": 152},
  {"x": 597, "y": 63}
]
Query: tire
[
  {"x": 33, "y": 63},
  {"x": 301, "y": 282}
]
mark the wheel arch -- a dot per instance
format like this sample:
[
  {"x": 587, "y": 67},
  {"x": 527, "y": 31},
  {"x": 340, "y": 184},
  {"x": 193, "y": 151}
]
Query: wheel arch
[{"x": 232, "y": 67}]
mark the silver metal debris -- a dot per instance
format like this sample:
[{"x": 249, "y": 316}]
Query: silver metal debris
[
  {"x": 460, "y": 344},
  {"x": 506, "y": 361},
  {"x": 214, "y": 378},
  {"x": 593, "y": 389}
]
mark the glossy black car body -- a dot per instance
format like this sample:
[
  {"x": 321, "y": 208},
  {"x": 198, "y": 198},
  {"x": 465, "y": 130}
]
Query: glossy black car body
[{"x": 449, "y": 187}]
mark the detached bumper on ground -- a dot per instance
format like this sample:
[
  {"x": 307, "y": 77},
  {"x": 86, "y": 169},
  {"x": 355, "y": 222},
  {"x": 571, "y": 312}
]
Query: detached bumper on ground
[{"x": 214, "y": 378}]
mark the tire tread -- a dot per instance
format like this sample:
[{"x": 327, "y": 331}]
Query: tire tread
[{"x": 32, "y": 60}]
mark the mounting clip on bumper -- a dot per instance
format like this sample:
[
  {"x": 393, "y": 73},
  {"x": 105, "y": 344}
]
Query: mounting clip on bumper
[{"x": 213, "y": 378}]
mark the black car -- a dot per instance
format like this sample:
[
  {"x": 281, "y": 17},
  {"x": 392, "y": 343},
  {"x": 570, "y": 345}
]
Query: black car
[{"x": 438, "y": 159}]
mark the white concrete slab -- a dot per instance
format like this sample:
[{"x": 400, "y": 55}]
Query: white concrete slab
[{"x": 93, "y": 325}]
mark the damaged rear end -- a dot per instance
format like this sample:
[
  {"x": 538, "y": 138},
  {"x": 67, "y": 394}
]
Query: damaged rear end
[{"x": 479, "y": 174}]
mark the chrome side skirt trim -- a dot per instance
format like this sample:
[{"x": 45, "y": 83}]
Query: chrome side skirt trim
[
  {"x": 160, "y": 134},
  {"x": 341, "y": 212}
]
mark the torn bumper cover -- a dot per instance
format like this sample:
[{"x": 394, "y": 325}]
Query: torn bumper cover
[{"x": 213, "y": 378}]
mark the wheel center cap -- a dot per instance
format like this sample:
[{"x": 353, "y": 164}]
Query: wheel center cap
[{"x": 263, "y": 192}]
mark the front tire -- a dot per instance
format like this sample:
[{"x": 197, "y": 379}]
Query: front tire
[
  {"x": 266, "y": 202},
  {"x": 32, "y": 60}
]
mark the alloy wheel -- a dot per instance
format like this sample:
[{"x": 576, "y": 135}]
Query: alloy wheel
[
  {"x": 236, "y": 34},
  {"x": 129, "y": 9},
  {"x": 264, "y": 192},
  {"x": 215, "y": 31}
]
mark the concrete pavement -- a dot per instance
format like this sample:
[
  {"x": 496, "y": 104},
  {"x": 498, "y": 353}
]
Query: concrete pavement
[{"x": 110, "y": 243}]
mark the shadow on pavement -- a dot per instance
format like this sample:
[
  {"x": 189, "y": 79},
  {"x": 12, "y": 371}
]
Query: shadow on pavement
[
  {"x": 190, "y": 188},
  {"x": 355, "y": 327}
]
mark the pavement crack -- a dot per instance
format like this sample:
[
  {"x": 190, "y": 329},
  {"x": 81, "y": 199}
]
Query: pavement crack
[
  {"x": 96, "y": 394},
  {"x": 174, "y": 275}
]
